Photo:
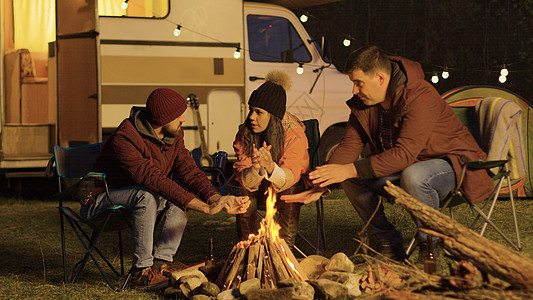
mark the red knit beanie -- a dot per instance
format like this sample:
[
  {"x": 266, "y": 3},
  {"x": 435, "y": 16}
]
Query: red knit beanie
[{"x": 164, "y": 106}]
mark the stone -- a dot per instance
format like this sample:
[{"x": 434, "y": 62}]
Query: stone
[
  {"x": 332, "y": 289},
  {"x": 314, "y": 265},
  {"x": 303, "y": 291},
  {"x": 341, "y": 263},
  {"x": 208, "y": 288},
  {"x": 339, "y": 277},
  {"x": 320, "y": 294},
  {"x": 287, "y": 282},
  {"x": 349, "y": 280},
  {"x": 201, "y": 297},
  {"x": 227, "y": 295},
  {"x": 176, "y": 275},
  {"x": 271, "y": 294},
  {"x": 188, "y": 283},
  {"x": 249, "y": 286},
  {"x": 171, "y": 290},
  {"x": 353, "y": 285}
]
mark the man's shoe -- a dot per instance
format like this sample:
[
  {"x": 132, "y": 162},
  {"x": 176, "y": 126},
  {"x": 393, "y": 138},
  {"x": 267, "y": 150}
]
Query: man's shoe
[
  {"x": 148, "y": 278},
  {"x": 166, "y": 270}
]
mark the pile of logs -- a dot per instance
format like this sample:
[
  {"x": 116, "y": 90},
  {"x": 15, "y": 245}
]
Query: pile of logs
[{"x": 264, "y": 256}]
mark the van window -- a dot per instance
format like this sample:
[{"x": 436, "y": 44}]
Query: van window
[
  {"x": 274, "y": 39},
  {"x": 136, "y": 8}
]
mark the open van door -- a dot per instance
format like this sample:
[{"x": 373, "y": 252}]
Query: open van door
[{"x": 78, "y": 96}]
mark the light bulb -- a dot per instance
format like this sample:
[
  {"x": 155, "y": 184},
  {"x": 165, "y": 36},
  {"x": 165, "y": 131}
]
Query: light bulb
[
  {"x": 346, "y": 42},
  {"x": 177, "y": 31},
  {"x": 502, "y": 79},
  {"x": 445, "y": 74},
  {"x": 304, "y": 18},
  {"x": 300, "y": 69},
  {"x": 124, "y": 5},
  {"x": 237, "y": 53},
  {"x": 434, "y": 78},
  {"x": 504, "y": 72}
]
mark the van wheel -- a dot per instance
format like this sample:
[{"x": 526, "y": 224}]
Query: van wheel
[{"x": 329, "y": 142}]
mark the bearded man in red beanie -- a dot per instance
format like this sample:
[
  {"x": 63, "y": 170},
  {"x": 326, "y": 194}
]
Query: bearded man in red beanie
[{"x": 137, "y": 160}]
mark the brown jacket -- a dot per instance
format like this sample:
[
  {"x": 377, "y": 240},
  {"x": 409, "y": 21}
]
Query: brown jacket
[
  {"x": 133, "y": 155},
  {"x": 424, "y": 126}
]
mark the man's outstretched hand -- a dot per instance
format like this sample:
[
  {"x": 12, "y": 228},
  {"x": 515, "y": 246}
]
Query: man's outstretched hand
[
  {"x": 236, "y": 205},
  {"x": 334, "y": 173},
  {"x": 231, "y": 204},
  {"x": 306, "y": 196}
]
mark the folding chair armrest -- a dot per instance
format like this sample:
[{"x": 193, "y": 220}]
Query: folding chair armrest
[
  {"x": 96, "y": 175},
  {"x": 102, "y": 178},
  {"x": 485, "y": 164}
]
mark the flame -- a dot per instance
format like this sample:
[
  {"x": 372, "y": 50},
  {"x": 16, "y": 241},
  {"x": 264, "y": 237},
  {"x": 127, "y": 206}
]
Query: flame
[{"x": 270, "y": 228}]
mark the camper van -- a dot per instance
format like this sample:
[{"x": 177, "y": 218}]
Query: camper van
[{"x": 107, "y": 56}]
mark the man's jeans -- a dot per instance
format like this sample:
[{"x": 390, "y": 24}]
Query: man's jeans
[
  {"x": 428, "y": 181},
  {"x": 144, "y": 206}
]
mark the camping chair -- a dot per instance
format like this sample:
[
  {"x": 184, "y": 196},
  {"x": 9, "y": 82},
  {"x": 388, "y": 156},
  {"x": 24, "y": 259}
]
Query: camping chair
[
  {"x": 312, "y": 132},
  {"x": 76, "y": 183},
  {"x": 503, "y": 175}
]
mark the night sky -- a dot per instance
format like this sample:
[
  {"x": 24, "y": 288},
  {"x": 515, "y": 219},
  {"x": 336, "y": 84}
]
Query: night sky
[{"x": 473, "y": 39}]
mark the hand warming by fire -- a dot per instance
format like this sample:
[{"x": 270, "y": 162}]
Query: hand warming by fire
[{"x": 264, "y": 256}]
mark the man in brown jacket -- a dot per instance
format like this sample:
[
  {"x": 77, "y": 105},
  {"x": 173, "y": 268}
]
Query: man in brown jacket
[
  {"x": 415, "y": 141},
  {"x": 138, "y": 159}
]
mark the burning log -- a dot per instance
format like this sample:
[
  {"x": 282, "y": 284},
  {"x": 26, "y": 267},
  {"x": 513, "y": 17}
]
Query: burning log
[
  {"x": 264, "y": 256},
  {"x": 487, "y": 255}
]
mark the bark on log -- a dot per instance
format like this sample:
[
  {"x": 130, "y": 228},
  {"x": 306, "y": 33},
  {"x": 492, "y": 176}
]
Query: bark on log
[{"x": 489, "y": 256}]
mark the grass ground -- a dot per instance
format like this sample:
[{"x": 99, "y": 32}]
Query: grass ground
[{"x": 30, "y": 248}]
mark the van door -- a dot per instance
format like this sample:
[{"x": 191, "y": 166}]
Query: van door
[
  {"x": 78, "y": 97},
  {"x": 275, "y": 42}
]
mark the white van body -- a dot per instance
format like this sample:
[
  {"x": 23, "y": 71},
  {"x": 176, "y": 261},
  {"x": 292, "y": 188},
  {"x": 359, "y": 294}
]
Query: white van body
[
  {"x": 135, "y": 60},
  {"x": 99, "y": 67}
]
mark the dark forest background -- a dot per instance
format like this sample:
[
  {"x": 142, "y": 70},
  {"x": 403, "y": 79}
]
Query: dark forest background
[{"x": 472, "y": 38}]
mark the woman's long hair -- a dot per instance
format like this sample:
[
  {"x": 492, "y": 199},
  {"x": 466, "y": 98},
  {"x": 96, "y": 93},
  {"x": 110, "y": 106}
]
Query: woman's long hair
[{"x": 273, "y": 135}]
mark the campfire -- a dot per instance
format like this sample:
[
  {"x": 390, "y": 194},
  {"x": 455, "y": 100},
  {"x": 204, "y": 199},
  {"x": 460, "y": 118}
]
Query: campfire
[{"x": 265, "y": 256}]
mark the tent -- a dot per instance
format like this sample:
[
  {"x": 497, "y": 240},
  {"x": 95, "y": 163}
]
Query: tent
[{"x": 467, "y": 96}]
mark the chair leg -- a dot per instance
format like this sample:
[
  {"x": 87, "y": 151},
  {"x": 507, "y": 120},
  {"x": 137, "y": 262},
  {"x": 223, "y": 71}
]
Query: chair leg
[
  {"x": 492, "y": 204},
  {"x": 63, "y": 254},
  {"x": 485, "y": 217},
  {"x": 127, "y": 279},
  {"x": 322, "y": 225},
  {"x": 120, "y": 253},
  {"x": 78, "y": 267},
  {"x": 515, "y": 220}
]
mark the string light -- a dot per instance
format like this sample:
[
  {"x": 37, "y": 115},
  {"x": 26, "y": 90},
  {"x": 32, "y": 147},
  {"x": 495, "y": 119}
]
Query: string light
[
  {"x": 504, "y": 72},
  {"x": 346, "y": 42},
  {"x": 177, "y": 31},
  {"x": 445, "y": 74},
  {"x": 434, "y": 78},
  {"x": 237, "y": 53},
  {"x": 300, "y": 69}
]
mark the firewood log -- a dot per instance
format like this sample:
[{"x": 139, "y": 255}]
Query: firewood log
[{"x": 489, "y": 256}]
